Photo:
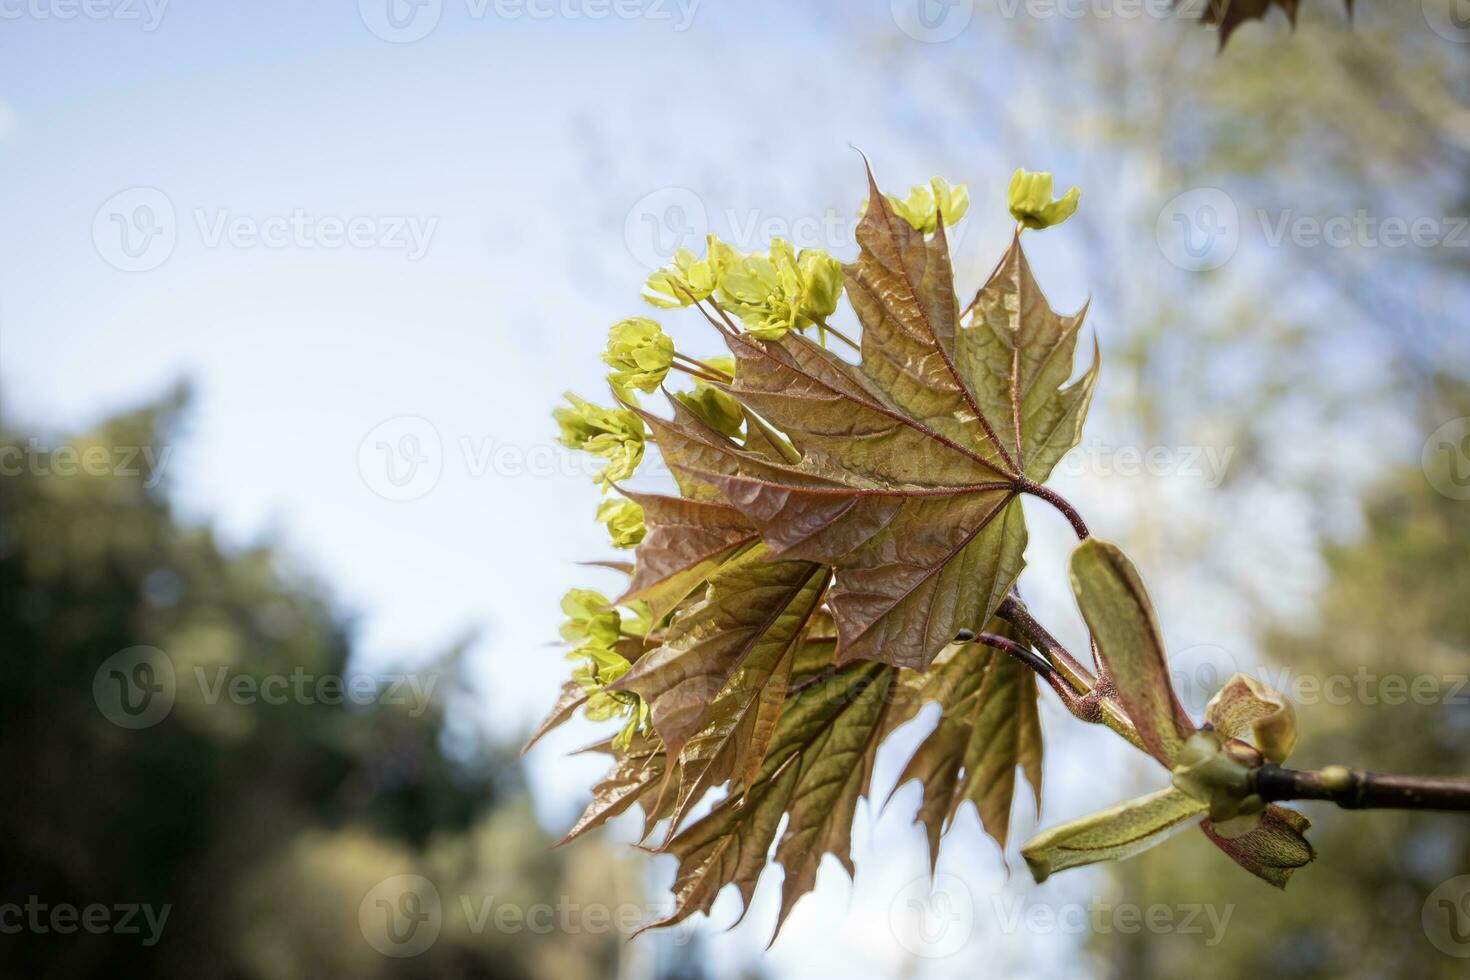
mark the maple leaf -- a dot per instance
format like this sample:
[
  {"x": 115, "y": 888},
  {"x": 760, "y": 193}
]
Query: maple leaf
[
  {"x": 911, "y": 462},
  {"x": 1227, "y": 15},
  {"x": 635, "y": 777},
  {"x": 686, "y": 540},
  {"x": 571, "y": 698},
  {"x": 819, "y": 763},
  {"x": 867, "y": 514},
  {"x": 989, "y": 724},
  {"x": 721, "y": 670}
]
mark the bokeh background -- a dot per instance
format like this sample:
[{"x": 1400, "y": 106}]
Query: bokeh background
[{"x": 287, "y": 292}]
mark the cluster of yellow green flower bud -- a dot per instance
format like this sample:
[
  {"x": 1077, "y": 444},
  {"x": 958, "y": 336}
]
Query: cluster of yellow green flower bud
[
  {"x": 781, "y": 290},
  {"x": 640, "y": 354},
  {"x": 616, "y": 434},
  {"x": 1218, "y": 773},
  {"x": 624, "y": 520},
  {"x": 599, "y": 627},
  {"x": 1031, "y": 202},
  {"x": 690, "y": 279},
  {"x": 926, "y": 205},
  {"x": 771, "y": 292},
  {"x": 715, "y": 408}
]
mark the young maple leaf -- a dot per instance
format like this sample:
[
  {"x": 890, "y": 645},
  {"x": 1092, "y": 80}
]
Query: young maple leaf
[
  {"x": 867, "y": 514},
  {"x": 1230, "y": 14},
  {"x": 910, "y": 462}
]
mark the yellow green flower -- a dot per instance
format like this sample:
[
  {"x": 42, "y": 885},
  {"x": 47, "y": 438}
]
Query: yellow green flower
[
  {"x": 637, "y": 617},
  {"x": 590, "y": 618},
  {"x": 689, "y": 279},
  {"x": 924, "y": 205},
  {"x": 639, "y": 352},
  {"x": 715, "y": 408},
  {"x": 616, "y": 434},
  {"x": 624, "y": 520},
  {"x": 601, "y": 668},
  {"x": 1031, "y": 202},
  {"x": 821, "y": 283},
  {"x": 778, "y": 291}
]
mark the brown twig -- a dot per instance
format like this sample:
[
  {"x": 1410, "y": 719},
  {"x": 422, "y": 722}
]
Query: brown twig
[{"x": 1357, "y": 789}]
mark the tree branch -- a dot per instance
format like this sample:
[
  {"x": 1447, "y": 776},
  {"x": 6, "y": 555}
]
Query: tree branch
[{"x": 1357, "y": 789}]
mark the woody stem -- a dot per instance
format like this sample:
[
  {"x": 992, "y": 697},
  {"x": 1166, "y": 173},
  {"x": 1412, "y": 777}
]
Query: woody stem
[{"x": 1357, "y": 789}]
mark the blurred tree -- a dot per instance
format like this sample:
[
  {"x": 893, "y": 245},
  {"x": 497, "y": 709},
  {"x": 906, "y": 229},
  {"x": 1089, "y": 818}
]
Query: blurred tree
[{"x": 263, "y": 821}]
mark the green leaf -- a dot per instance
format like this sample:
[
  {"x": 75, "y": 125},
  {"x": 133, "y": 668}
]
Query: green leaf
[
  {"x": 1121, "y": 616},
  {"x": 571, "y": 698},
  {"x": 753, "y": 614},
  {"x": 1019, "y": 354},
  {"x": 1111, "y": 835},
  {"x": 818, "y": 765},
  {"x": 636, "y": 777},
  {"x": 989, "y": 725},
  {"x": 1122, "y": 620}
]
